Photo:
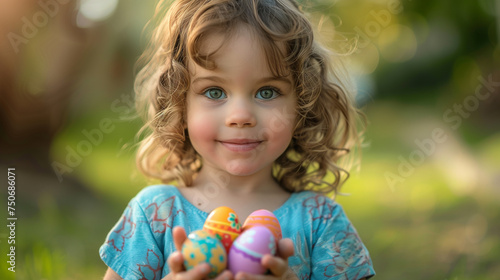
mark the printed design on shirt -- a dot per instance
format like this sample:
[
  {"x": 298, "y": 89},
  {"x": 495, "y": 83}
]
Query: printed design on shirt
[
  {"x": 125, "y": 229},
  {"x": 319, "y": 208},
  {"x": 346, "y": 253},
  {"x": 301, "y": 258},
  {"x": 161, "y": 216},
  {"x": 152, "y": 269}
]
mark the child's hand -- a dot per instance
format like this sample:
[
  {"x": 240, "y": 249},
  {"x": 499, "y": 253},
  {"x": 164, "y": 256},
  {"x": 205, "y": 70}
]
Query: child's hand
[
  {"x": 175, "y": 262},
  {"x": 278, "y": 265}
]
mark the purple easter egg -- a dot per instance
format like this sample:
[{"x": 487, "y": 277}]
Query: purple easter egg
[{"x": 248, "y": 249}]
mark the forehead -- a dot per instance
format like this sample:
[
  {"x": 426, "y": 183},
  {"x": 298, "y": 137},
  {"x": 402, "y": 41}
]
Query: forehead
[{"x": 241, "y": 44}]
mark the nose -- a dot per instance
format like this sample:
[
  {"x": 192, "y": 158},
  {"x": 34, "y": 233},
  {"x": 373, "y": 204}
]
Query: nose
[{"x": 240, "y": 114}]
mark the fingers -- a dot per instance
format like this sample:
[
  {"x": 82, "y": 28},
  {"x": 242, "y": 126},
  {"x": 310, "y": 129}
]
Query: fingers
[
  {"x": 225, "y": 275},
  {"x": 175, "y": 262},
  {"x": 247, "y": 276},
  {"x": 199, "y": 272},
  {"x": 179, "y": 235},
  {"x": 285, "y": 248},
  {"x": 276, "y": 265}
]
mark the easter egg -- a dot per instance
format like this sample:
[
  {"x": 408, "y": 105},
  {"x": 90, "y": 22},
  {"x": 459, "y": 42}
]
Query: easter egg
[
  {"x": 224, "y": 224},
  {"x": 264, "y": 218},
  {"x": 249, "y": 248},
  {"x": 201, "y": 247}
]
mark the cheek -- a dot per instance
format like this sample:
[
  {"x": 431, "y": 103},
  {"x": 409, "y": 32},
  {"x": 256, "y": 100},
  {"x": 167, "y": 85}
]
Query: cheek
[
  {"x": 281, "y": 140},
  {"x": 199, "y": 124},
  {"x": 200, "y": 128},
  {"x": 279, "y": 136},
  {"x": 280, "y": 124}
]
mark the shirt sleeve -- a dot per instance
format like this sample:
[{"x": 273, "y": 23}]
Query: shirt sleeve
[
  {"x": 130, "y": 249},
  {"x": 338, "y": 252}
]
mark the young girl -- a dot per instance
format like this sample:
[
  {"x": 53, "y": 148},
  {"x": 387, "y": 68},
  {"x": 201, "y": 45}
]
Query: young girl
[{"x": 245, "y": 111}]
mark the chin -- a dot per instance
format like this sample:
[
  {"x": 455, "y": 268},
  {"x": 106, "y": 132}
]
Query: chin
[{"x": 240, "y": 169}]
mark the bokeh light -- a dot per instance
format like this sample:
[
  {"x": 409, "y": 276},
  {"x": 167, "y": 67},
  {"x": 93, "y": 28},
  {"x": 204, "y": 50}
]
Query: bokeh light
[
  {"x": 397, "y": 43},
  {"x": 97, "y": 10}
]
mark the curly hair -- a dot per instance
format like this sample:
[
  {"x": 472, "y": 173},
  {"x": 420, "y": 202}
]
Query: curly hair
[{"x": 326, "y": 127}]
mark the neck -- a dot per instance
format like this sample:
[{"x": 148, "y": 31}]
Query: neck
[{"x": 260, "y": 182}]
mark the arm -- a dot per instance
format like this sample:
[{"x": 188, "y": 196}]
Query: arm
[
  {"x": 111, "y": 275},
  {"x": 338, "y": 251}
]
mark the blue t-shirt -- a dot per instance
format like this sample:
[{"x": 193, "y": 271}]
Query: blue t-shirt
[{"x": 326, "y": 244}]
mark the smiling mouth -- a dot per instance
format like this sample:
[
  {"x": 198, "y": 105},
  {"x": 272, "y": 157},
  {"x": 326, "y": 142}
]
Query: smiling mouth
[{"x": 240, "y": 145}]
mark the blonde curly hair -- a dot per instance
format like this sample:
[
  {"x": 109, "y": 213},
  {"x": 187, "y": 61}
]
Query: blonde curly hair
[{"x": 326, "y": 128}]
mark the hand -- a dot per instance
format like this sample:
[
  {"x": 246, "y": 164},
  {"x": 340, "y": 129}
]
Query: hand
[
  {"x": 175, "y": 262},
  {"x": 277, "y": 265}
]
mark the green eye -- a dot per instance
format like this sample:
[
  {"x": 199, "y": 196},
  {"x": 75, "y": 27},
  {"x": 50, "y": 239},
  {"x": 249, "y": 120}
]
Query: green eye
[
  {"x": 267, "y": 93},
  {"x": 215, "y": 93}
]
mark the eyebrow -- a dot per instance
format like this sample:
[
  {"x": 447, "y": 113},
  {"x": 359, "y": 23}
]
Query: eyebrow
[
  {"x": 218, "y": 79},
  {"x": 209, "y": 78},
  {"x": 279, "y": 79}
]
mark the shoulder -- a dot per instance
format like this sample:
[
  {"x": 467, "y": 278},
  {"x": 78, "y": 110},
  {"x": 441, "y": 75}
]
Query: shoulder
[
  {"x": 164, "y": 207},
  {"x": 321, "y": 214},
  {"x": 312, "y": 212},
  {"x": 326, "y": 243},
  {"x": 316, "y": 202},
  {"x": 154, "y": 190},
  {"x": 155, "y": 193},
  {"x": 156, "y": 199}
]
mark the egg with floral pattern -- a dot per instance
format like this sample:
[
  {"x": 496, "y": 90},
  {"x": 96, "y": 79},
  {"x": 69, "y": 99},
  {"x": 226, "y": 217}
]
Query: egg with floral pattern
[
  {"x": 203, "y": 247},
  {"x": 265, "y": 218},
  {"x": 248, "y": 249},
  {"x": 224, "y": 224}
]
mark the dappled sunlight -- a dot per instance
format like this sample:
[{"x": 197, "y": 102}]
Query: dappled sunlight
[
  {"x": 423, "y": 199},
  {"x": 397, "y": 43},
  {"x": 437, "y": 213},
  {"x": 463, "y": 172}
]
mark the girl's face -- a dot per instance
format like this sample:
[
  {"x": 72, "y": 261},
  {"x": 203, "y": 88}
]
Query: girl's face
[{"x": 240, "y": 118}]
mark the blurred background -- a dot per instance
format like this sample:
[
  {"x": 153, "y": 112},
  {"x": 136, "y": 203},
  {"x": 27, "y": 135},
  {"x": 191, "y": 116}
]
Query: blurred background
[{"x": 426, "y": 199}]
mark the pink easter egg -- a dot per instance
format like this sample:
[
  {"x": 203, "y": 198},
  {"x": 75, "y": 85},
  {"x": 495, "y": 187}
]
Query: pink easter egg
[
  {"x": 249, "y": 248},
  {"x": 265, "y": 218}
]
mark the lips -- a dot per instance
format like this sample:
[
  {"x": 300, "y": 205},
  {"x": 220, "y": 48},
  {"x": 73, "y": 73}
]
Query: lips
[{"x": 240, "y": 145}]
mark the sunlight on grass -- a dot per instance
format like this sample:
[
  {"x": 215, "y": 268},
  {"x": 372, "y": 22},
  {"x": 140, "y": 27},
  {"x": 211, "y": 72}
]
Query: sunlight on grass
[
  {"x": 44, "y": 263},
  {"x": 111, "y": 175},
  {"x": 429, "y": 222}
]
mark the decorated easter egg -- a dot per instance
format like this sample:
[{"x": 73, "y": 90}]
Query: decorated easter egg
[
  {"x": 224, "y": 224},
  {"x": 200, "y": 247},
  {"x": 249, "y": 248},
  {"x": 264, "y": 218}
]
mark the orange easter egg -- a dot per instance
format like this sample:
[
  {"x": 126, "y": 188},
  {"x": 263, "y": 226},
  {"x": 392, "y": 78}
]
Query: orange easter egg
[{"x": 224, "y": 224}]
